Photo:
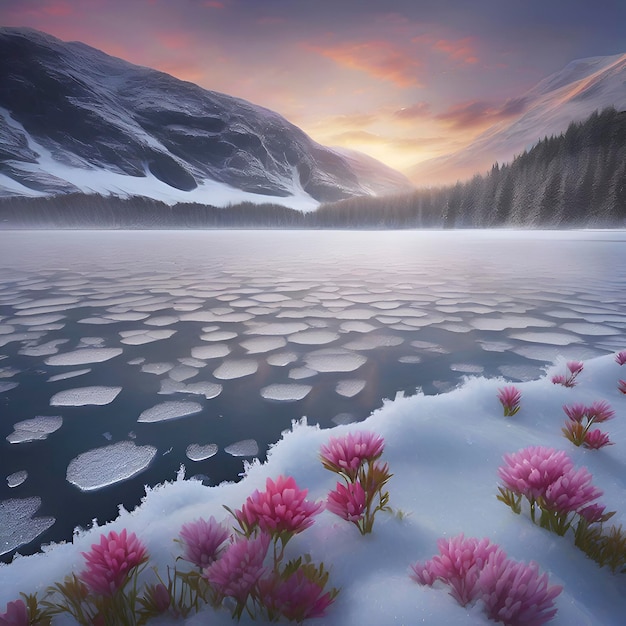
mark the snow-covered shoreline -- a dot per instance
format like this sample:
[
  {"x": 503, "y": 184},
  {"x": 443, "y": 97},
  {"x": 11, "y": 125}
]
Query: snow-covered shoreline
[{"x": 444, "y": 452}]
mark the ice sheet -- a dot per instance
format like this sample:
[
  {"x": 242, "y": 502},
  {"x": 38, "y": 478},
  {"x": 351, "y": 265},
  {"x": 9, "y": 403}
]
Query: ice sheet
[
  {"x": 35, "y": 429},
  {"x": 198, "y": 452},
  {"x": 83, "y": 356},
  {"x": 285, "y": 392}
]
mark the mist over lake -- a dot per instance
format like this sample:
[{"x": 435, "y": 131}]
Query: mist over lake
[{"x": 124, "y": 355}]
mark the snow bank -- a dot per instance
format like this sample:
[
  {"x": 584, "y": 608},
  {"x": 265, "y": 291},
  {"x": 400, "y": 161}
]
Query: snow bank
[{"x": 444, "y": 452}]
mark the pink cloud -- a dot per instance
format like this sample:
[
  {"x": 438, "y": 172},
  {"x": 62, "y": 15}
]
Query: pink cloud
[
  {"x": 462, "y": 50},
  {"x": 378, "y": 58}
]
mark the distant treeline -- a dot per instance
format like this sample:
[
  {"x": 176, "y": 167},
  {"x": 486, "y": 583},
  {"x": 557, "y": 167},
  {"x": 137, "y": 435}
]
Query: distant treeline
[{"x": 573, "y": 180}]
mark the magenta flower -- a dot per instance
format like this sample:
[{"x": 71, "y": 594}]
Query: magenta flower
[
  {"x": 510, "y": 400},
  {"x": 558, "y": 379},
  {"x": 596, "y": 439},
  {"x": 594, "y": 513},
  {"x": 600, "y": 411},
  {"x": 620, "y": 357},
  {"x": 297, "y": 598},
  {"x": 202, "y": 541},
  {"x": 576, "y": 412},
  {"x": 621, "y": 386},
  {"x": 517, "y": 594},
  {"x": 281, "y": 508},
  {"x": 571, "y": 492},
  {"x": 240, "y": 567},
  {"x": 15, "y": 615},
  {"x": 458, "y": 564},
  {"x": 348, "y": 502},
  {"x": 531, "y": 470},
  {"x": 110, "y": 562},
  {"x": 345, "y": 455},
  {"x": 575, "y": 367}
]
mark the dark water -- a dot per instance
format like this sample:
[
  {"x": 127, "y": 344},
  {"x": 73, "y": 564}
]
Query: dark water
[{"x": 260, "y": 328}]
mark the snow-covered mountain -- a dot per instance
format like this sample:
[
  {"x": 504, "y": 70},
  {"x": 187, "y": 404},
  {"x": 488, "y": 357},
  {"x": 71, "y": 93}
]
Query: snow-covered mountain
[
  {"x": 571, "y": 95},
  {"x": 74, "y": 119}
]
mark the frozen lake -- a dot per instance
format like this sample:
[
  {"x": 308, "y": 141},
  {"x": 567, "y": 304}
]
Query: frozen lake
[{"x": 124, "y": 355}]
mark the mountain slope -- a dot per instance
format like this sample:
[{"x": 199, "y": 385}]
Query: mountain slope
[
  {"x": 570, "y": 95},
  {"x": 75, "y": 119}
]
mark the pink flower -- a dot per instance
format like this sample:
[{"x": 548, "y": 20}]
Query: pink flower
[
  {"x": 558, "y": 379},
  {"x": 593, "y": 513},
  {"x": 576, "y": 412},
  {"x": 600, "y": 411},
  {"x": 281, "y": 508},
  {"x": 458, "y": 564},
  {"x": 515, "y": 593},
  {"x": 202, "y": 541},
  {"x": 240, "y": 567},
  {"x": 621, "y": 386},
  {"x": 596, "y": 439},
  {"x": 575, "y": 367},
  {"x": 620, "y": 357},
  {"x": 348, "y": 502},
  {"x": 531, "y": 470},
  {"x": 110, "y": 562},
  {"x": 510, "y": 399},
  {"x": 297, "y": 598},
  {"x": 571, "y": 492},
  {"x": 345, "y": 455},
  {"x": 15, "y": 615}
]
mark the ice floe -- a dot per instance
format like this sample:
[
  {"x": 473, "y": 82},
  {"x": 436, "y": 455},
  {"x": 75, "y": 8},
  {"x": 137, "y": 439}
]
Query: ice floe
[
  {"x": 140, "y": 337},
  {"x": 582, "y": 328},
  {"x": 5, "y": 386},
  {"x": 44, "y": 349},
  {"x": 350, "y": 388},
  {"x": 17, "y": 524},
  {"x": 282, "y": 359},
  {"x": 181, "y": 373},
  {"x": 17, "y": 478},
  {"x": 235, "y": 368},
  {"x": 373, "y": 342},
  {"x": 357, "y": 327},
  {"x": 198, "y": 452},
  {"x": 83, "y": 356},
  {"x": 68, "y": 375},
  {"x": 467, "y": 368},
  {"x": 313, "y": 337},
  {"x": 203, "y": 388},
  {"x": 101, "y": 467},
  {"x": 214, "y": 351},
  {"x": 298, "y": 373},
  {"x": 550, "y": 338},
  {"x": 169, "y": 411},
  {"x": 334, "y": 360},
  {"x": 157, "y": 368},
  {"x": 35, "y": 429},
  {"x": 285, "y": 392},
  {"x": 276, "y": 328},
  {"x": 245, "y": 447},
  {"x": 83, "y": 396},
  {"x": 506, "y": 322},
  {"x": 259, "y": 345},
  {"x": 162, "y": 320},
  {"x": 218, "y": 335}
]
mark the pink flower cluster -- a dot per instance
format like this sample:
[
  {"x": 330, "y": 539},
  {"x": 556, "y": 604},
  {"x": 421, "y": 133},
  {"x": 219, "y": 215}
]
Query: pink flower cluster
[
  {"x": 620, "y": 357},
  {"x": 548, "y": 480},
  {"x": 241, "y": 566},
  {"x": 510, "y": 400},
  {"x": 580, "y": 420},
  {"x": 479, "y": 571},
  {"x": 355, "y": 458},
  {"x": 569, "y": 379}
]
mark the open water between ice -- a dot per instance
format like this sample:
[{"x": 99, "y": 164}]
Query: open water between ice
[{"x": 126, "y": 354}]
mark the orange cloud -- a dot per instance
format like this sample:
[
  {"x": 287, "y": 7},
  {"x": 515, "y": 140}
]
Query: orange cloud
[
  {"x": 460, "y": 50},
  {"x": 468, "y": 115},
  {"x": 378, "y": 58}
]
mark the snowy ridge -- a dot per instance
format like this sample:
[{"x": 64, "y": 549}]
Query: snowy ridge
[
  {"x": 570, "y": 95},
  {"x": 444, "y": 452}
]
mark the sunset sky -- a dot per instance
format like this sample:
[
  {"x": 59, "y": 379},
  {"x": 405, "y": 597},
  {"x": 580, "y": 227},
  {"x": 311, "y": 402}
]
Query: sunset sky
[{"x": 402, "y": 80}]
